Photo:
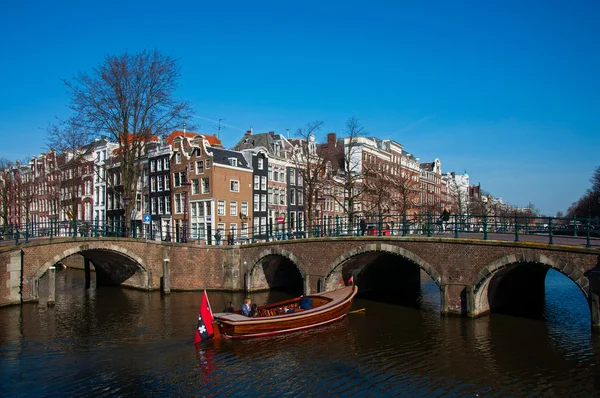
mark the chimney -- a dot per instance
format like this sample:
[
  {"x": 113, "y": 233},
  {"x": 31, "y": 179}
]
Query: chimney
[
  {"x": 248, "y": 132},
  {"x": 331, "y": 140}
]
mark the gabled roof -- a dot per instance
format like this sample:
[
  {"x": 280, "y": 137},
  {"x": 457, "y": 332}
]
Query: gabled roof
[
  {"x": 222, "y": 156},
  {"x": 212, "y": 139},
  {"x": 427, "y": 166},
  {"x": 265, "y": 140}
]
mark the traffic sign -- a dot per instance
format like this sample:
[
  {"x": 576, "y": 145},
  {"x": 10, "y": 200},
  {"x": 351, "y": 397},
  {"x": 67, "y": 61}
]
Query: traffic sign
[
  {"x": 147, "y": 218},
  {"x": 280, "y": 220}
]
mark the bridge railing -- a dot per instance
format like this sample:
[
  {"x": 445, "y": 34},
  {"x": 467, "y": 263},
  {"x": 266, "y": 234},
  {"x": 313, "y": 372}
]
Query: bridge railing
[{"x": 484, "y": 226}]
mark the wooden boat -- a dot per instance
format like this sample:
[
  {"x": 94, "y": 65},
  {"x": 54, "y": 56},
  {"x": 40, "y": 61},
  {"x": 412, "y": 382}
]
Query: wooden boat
[{"x": 277, "y": 318}]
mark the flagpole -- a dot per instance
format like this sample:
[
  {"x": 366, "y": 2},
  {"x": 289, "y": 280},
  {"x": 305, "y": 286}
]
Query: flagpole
[{"x": 216, "y": 330}]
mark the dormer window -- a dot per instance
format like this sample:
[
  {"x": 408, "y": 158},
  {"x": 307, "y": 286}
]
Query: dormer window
[
  {"x": 233, "y": 162},
  {"x": 178, "y": 158}
]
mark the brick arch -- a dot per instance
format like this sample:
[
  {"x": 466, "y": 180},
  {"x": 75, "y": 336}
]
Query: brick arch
[
  {"x": 487, "y": 272},
  {"x": 385, "y": 248},
  {"x": 277, "y": 251},
  {"x": 484, "y": 277},
  {"x": 99, "y": 246}
]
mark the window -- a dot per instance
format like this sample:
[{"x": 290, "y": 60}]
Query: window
[
  {"x": 282, "y": 175},
  {"x": 233, "y": 208},
  {"x": 292, "y": 196},
  {"x": 195, "y": 187},
  {"x": 207, "y": 164},
  {"x": 263, "y": 225},
  {"x": 205, "y": 185},
  {"x": 245, "y": 208},
  {"x": 270, "y": 173},
  {"x": 178, "y": 158},
  {"x": 177, "y": 179},
  {"x": 260, "y": 163},
  {"x": 244, "y": 229},
  {"x": 199, "y": 167},
  {"x": 263, "y": 183},
  {"x": 292, "y": 176},
  {"x": 153, "y": 184},
  {"x": 300, "y": 197},
  {"x": 276, "y": 174},
  {"x": 276, "y": 197},
  {"x": 178, "y": 203},
  {"x": 300, "y": 180},
  {"x": 167, "y": 182},
  {"x": 270, "y": 196},
  {"x": 233, "y": 162},
  {"x": 166, "y": 163},
  {"x": 256, "y": 183},
  {"x": 153, "y": 166},
  {"x": 154, "y": 209},
  {"x": 159, "y": 165},
  {"x": 233, "y": 229},
  {"x": 256, "y": 202},
  {"x": 200, "y": 229},
  {"x": 161, "y": 206},
  {"x": 263, "y": 203},
  {"x": 159, "y": 183},
  {"x": 221, "y": 208},
  {"x": 234, "y": 186}
]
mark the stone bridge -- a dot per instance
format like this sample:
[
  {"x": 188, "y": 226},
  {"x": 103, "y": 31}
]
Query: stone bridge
[{"x": 473, "y": 276}]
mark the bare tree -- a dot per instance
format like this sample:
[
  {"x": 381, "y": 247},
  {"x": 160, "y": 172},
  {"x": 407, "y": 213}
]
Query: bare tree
[
  {"x": 6, "y": 188},
  {"x": 67, "y": 139},
  {"x": 378, "y": 188},
  {"x": 350, "y": 182},
  {"x": 310, "y": 163},
  {"x": 589, "y": 204},
  {"x": 130, "y": 99}
]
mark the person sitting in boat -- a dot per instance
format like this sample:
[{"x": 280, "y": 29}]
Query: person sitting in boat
[
  {"x": 229, "y": 307},
  {"x": 246, "y": 307},
  {"x": 253, "y": 310},
  {"x": 305, "y": 303}
]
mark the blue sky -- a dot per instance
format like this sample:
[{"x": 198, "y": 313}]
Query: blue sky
[{"x": 508, "y": 91}]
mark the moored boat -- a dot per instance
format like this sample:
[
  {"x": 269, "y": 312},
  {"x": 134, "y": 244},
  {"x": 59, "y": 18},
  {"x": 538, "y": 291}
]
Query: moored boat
[{"x": 288, "y": 316}]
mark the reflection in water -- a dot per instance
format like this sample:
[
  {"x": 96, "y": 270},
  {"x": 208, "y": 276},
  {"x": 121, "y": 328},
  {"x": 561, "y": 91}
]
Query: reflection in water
[{"x": 112, "y": 341}]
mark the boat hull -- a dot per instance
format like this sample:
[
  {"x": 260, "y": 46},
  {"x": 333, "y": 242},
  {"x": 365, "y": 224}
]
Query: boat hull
[{"x": 238, "y": 326}]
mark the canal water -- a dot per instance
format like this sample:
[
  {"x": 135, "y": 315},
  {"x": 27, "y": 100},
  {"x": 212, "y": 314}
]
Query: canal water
[{"x": 118, "y": 342}]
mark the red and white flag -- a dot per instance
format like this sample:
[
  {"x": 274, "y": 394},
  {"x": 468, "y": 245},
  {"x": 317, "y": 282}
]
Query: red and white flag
[{"x": 204, "y": 330}]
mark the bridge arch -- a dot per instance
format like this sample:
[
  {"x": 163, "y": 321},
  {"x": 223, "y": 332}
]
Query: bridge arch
[
  {"x": 484, "y": 277},
  {"x": 333, "y": 278},
  {"x": 96, "y": 247},
  {"x": 257, "y": 261}
]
